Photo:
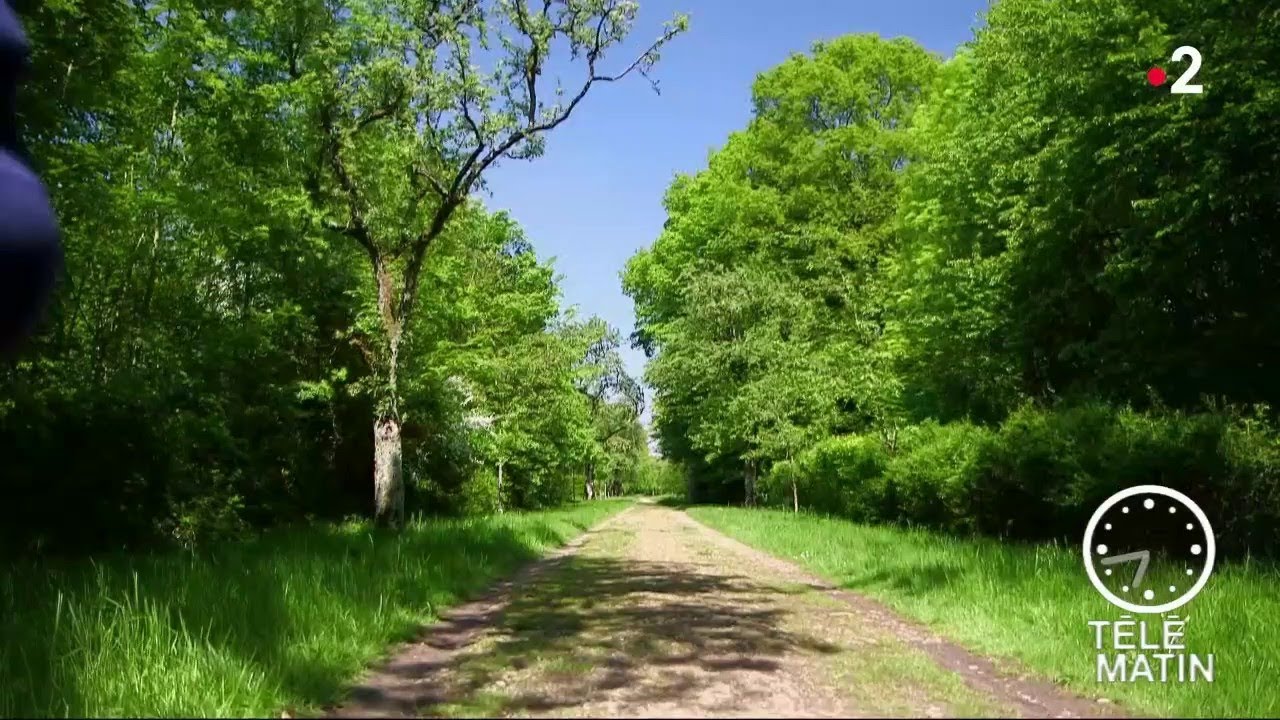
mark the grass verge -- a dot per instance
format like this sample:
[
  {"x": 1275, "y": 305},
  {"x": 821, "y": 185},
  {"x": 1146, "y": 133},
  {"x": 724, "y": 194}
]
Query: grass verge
[
  {"x": 1033, "y": 603},
  {"x": 247, "y": 628}
]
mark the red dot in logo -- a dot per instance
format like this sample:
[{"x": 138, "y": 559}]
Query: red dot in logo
[{"x": 1156, "y": 76}]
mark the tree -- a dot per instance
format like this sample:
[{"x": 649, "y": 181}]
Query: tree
[
  {"x": 892, "y": 242},
  {"x": 620, "y": 442},
  {"x": 210, "y": 350},
  {"x": 196, "y": 314},
  {"x": 763, "y": 302},
  {"x": 540, "y": 423},
  {"x": 489, "y": 304},
  {"x": 401, "y": 126},
  {"x": 1094, "y": 236},
  {"x": 658, "y": 476},
  {"x": 614, "y": 399}
]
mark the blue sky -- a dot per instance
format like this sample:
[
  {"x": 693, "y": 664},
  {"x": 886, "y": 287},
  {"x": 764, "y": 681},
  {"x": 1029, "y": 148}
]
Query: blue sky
[{"x": 595, "y": 197}]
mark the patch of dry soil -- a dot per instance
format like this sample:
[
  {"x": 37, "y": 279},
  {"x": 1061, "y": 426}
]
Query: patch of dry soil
[{"x": 653, "y": 614}]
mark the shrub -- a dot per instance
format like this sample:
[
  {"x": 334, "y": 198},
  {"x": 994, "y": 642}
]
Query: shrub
[
  {"x": 480, "y": 492},
  {"x": 932, "y": 475},
  {"x": 773, "y": 489},
  {"x": 843, "y": 475},
  {"x": 1040, "y": 475},
  {"x": 1031, "y": 467},
  {"x": 1045, "y": 470},
  {"x": 1251, "y": 451}
]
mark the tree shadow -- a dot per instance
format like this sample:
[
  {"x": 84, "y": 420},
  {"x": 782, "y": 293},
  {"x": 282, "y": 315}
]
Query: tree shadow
[
  {"x": 912, "y": 579},
  {"x": 656, "y": 632},
  {"x": 673, "y": 501}
]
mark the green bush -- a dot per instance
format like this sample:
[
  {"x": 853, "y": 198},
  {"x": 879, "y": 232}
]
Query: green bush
[
  {"x": 931, "y": 476},
  {"x": 480, "y": 492},
  {"x": 1045, "y": 470},
  {"x": 1035, "y": 466},
  {"x": 773, "y": 489},
  {"x": 1252, "y": 450},
  {"x": 844, "y": 475},
  {"x": 1041, "y": 473}
]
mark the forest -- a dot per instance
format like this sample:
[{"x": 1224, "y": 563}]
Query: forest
[
  {"x": 985, "y": 293},
  {"x": 301, "y": 391},
  {"x": 277, "y": 267}
]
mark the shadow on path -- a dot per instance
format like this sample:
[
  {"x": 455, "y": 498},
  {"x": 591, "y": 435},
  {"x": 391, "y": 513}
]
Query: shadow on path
[{"x": 663, "y": 631}]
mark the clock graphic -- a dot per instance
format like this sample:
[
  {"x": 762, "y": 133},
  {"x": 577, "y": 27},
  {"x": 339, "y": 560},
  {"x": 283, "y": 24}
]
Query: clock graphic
[{"x": 1149, "y": 549}]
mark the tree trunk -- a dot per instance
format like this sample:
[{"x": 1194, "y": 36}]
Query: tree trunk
[
  {"x": 749, "y": 483},
  {"x": 795, "y": 496},
  {"x": 500, "y": 487},
  {"x": 388, "y": 473},
  {"x": 591, "y": 481},
  {"x": 388, "y": 470}
]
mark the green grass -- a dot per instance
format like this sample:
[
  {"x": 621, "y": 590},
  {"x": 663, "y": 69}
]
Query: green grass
[
  {"x": 250, "y": 628},
  {"x": 1033, "y": 603}
]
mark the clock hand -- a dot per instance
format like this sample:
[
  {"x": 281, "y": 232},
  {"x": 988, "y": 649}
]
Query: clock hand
[{"x": 1142, "y": 556}]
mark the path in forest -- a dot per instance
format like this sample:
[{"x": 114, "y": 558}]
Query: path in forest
[{"x": 653, "y": 614}]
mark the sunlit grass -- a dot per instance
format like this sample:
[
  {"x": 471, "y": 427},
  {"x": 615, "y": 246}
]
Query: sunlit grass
[
  {"x": 1033, "y": 603},
  {"x": 249, "y": 628}
]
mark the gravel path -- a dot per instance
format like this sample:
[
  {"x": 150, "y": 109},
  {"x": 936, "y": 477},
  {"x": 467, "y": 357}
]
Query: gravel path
[{"x": 653, "y": 614}]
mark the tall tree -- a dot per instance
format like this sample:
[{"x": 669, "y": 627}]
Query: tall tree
[
  {"x": 762, "y": 301},
  {"x": 484, "y": 339},
  {"x": 403, "y": 123},
  {"x": 1096, "y": 236},
  {"x": 614, "y": 399}
]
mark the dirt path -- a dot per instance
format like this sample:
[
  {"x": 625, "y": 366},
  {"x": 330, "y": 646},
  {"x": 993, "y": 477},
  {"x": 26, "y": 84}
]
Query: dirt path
[{"x": 652, "y": 614}]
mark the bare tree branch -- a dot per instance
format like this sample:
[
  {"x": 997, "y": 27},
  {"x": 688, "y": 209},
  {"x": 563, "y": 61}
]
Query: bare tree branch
[
  {"x": 533, "y": 63},
  {"x": 469, "y": 179},
  {"x": 355, "y": 227},
  {"x": 416, "y": 176},
  {"x": 418, "y": 252},
  {"x": 593, "y": 53},
  {"x": 464, "y": 66},
  {"x": 488, "y": 150}
]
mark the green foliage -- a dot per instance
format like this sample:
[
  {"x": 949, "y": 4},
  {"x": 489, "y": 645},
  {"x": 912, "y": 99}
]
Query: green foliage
[
  {"x": 248, "y": 195},
  {"x": 479, "y": 494},
  {"x": 929, "y": 480},
  {"x": 657, "y": 476},
  {"x": 958, "y": 295},
  {"x": 1055, "y": 467},
  {"x": 1040, "y": 474},
  {"x": 1094, "y": 236},
  {"x": 760, "y": 299},
  {"x": 844, "y": 475},
  {"x": 617, "y": 442}
]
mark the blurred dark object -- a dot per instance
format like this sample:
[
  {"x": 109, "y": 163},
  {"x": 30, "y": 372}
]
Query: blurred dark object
[{"x": 30, "y": 254}]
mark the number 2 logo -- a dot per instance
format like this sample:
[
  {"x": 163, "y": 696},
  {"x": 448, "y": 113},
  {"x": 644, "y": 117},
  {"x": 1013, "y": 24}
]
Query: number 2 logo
[{"x": 1183, "y": 86}]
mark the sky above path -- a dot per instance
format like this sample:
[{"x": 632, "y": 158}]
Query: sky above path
[{"x": 595, "y": 197}]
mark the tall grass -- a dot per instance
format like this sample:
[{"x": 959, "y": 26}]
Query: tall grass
[
  {"x": 249, "y": 628},
  {"x": 1033, "y": 603}
]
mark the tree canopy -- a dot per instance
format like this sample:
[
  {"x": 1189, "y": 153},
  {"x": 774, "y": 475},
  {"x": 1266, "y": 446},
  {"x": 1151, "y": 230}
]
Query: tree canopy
[
  {"x": 762, "y": 300},
  {"x": 1027, "y": 237},
  {"x": 273, "y": 243}
]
